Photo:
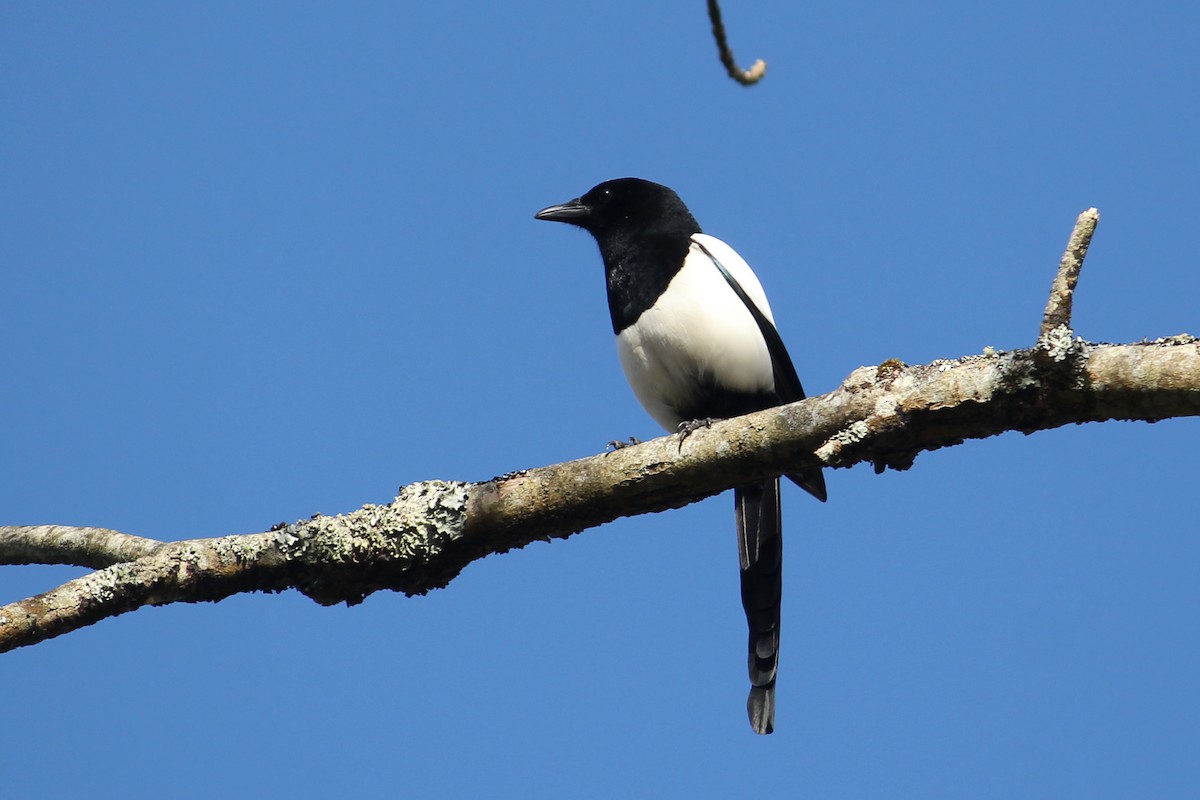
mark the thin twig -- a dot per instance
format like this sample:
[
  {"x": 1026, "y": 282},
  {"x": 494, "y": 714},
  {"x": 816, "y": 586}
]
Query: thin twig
[
  {"x": 746, "y": 77},
  {"x": 1062, "y": 292}
]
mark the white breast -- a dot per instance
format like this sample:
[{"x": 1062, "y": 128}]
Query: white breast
[{"x": 699, "y": 331}]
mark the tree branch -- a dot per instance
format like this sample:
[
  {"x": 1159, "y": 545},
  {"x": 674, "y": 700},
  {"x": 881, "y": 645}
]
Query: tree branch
[
  {"x": 81, "y": 547},
  {"x": 746, "y": 77},
  {"x": 885, "y": 415}
]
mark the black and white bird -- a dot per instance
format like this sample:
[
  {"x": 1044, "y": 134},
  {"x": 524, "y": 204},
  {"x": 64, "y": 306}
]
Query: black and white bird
[{"x": 697, "y": 341}]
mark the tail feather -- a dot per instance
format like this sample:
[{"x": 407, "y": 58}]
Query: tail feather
[
  {"x": 760, "y": 549},
  {"x": 760, "y": 705}
]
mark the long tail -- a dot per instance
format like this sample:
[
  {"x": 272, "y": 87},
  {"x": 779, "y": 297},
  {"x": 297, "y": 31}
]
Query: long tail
[{"x": 760, "y": 548}]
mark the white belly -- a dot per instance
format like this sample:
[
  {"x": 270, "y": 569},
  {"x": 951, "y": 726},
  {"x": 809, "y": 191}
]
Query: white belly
[{"x": 698, "y": 333}]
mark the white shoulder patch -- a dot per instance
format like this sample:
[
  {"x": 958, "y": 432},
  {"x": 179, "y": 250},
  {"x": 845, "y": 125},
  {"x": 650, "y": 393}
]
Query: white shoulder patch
[{"x": 738, "y": 268}]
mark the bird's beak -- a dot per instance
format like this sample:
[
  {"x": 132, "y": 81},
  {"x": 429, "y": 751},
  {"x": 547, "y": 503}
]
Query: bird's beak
[{"x": 573, "y": 212}]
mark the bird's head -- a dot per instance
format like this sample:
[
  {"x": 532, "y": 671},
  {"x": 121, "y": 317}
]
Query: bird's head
[{"x": 625, "y": 206}]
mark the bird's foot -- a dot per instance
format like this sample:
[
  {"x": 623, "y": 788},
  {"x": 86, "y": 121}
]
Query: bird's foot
[
  {"x": 621, "y": 444},
  {"x": 690, "y": 426}
]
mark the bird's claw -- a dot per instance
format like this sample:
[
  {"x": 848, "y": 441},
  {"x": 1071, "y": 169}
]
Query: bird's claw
[
  {"x": 688, "y": 427},
  {"x": 621, "y": 444}
]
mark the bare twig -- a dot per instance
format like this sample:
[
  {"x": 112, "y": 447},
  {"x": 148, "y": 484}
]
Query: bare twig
[
  {"x": 1057, "y": 316},
  {"x": 746, "y": 77}
]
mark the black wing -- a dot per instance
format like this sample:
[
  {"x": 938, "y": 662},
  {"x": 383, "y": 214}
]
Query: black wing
[{"x": 787, "y": 382}]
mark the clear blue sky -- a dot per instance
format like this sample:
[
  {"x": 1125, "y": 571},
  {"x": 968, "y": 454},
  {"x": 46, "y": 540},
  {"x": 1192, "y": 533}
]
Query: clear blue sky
[{"x": 262, "y": 260}]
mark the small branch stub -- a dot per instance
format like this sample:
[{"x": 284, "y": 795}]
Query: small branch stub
[{"x": 1062, "y": 292}]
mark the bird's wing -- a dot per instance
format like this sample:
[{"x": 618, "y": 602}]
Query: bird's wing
[{"x": 744, "y": 282}]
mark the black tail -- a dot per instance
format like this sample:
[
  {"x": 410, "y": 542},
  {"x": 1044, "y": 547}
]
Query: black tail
[{"x": 760, "y": 548}]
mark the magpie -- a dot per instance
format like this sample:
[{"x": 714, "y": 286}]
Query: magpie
[{"x": 697, "y": 341}]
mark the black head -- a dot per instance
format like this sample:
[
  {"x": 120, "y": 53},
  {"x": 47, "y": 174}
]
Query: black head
[
  {"x": 644, "y": 231},
  {"x": 626, "y": 207}
]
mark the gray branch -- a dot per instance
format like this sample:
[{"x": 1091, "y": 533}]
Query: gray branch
[
  {"x": 885, "y": 415},
  {"x": 81, "y": 547}
]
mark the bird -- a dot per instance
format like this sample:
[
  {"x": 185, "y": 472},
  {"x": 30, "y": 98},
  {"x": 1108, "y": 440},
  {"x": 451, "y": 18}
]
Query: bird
[{"x": 697, "y": 341}]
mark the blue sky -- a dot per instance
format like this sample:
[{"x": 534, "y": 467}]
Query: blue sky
[{"x": 263, "y": 260}]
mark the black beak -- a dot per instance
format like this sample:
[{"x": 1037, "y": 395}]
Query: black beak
[{"x": 573, "y": 212}]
